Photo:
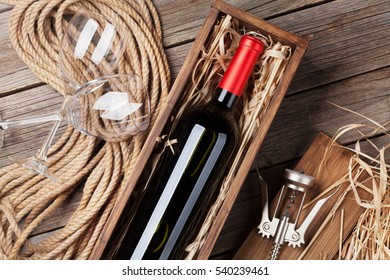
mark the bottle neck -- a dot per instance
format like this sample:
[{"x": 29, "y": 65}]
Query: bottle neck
[
  {"x": 225, "y": 99},
  {"x": 238, "y": 72}
]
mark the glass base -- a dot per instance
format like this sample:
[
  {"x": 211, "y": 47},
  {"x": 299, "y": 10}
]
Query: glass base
[{"x": 37, "y": 166}]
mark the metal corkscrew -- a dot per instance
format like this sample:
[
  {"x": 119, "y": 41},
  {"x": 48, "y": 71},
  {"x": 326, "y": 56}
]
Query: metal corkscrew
[{"x": 283, "y": 225}]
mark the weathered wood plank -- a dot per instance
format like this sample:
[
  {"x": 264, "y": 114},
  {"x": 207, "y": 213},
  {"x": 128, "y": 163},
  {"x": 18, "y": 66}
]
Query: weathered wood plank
[
  {"x": 18, "y": 81},
  {"x": 14, "y": 74},
  {"x": 176, "y": 57},
  {"x": 346, "y": 39},
  {"x": 302, "y": 116},
  {"x": 4, "y": 7},
  {"x": 182, "y": 20}
]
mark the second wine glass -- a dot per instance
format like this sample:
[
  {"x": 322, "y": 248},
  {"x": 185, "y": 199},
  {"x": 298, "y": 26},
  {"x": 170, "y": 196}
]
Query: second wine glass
[{"x": 113, "y": 108}]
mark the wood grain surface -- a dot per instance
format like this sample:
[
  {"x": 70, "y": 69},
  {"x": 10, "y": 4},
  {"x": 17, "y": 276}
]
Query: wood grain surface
[{"x": 347, "y": 63}]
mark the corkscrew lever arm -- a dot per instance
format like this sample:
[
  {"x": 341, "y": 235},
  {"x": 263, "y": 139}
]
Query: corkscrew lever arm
[
  {"x": 264, "y": 200},
  {"x": 310, "y": 217},
  {"x": 266, "y": 227}
]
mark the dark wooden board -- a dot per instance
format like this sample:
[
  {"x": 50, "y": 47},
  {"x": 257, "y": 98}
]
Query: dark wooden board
[{"x": 327, "y": 164}]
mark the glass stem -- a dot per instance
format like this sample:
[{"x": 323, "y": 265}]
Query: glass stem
[
  {"x": 40, "y": 119},
  {"x": 42, "y": 153}
]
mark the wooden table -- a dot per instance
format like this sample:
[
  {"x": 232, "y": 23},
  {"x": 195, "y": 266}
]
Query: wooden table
[{"x": 347, "y": 63}]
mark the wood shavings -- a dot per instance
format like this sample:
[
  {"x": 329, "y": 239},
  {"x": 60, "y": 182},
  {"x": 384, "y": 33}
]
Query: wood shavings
[{"x": 370, "y": 239}]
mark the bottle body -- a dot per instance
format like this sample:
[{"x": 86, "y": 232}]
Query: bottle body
[
  {"x": 186, "y": 180},
  {"x": 206, "y": 140}
]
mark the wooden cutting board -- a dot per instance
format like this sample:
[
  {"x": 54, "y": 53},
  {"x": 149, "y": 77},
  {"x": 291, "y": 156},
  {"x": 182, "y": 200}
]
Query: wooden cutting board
[{"x": 327, "y": 244}]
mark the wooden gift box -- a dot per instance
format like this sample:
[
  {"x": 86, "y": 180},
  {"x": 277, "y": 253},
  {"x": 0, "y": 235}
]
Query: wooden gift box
[{"x": 218, "y": 9}]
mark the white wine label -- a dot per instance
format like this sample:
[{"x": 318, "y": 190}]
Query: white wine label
[{"x": 173, "y": 181}]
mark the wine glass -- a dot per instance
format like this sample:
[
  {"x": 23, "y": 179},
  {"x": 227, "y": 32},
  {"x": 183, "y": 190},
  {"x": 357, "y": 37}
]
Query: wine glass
[
  {"x": 113, "y": 108},
  {"x": 91, "y": 50}
]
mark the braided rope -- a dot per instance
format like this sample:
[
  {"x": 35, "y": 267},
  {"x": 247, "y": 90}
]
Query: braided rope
[{"x": 26, "y": 199}]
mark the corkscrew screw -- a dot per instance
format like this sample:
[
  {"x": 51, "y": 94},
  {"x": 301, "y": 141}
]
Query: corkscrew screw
[{"x": 283, "y": 225}]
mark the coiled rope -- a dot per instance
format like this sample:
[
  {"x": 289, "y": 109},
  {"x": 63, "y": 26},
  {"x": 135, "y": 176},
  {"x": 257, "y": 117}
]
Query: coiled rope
[{"x": 101, "y": 169}]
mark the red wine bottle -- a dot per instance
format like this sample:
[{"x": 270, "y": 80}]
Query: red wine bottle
[{"x": 207, "y": 138}]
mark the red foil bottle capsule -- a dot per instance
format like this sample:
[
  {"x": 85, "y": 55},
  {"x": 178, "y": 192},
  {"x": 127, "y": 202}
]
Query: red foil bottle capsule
[
  {"x": 241, "y": 65},
  {"x": 238, "y": 72}
]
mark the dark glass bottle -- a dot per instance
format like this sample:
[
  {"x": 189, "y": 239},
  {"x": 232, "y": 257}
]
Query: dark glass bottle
[{"x": 207, "y": 138}]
